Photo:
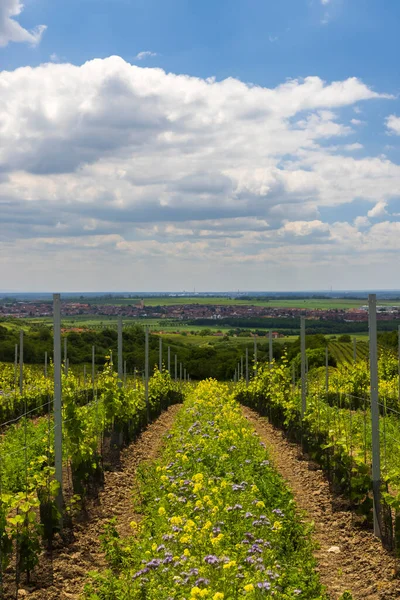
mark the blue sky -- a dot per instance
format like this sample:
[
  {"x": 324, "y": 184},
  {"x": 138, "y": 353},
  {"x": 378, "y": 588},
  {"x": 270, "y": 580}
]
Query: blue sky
[{"x": 318, "y": 206}]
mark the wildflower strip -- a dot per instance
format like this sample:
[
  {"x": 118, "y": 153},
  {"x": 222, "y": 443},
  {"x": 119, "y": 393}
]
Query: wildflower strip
[{"x": 219, "y": 522}]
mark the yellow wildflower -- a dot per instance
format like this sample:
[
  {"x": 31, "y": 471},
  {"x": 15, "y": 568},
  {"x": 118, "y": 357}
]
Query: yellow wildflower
[
  {"x": 161, "y": 511},
  {"x": 249, "y": 587}
]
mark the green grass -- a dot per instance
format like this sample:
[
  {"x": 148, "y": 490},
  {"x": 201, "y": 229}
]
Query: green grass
[{"x": 310, "y": 303}]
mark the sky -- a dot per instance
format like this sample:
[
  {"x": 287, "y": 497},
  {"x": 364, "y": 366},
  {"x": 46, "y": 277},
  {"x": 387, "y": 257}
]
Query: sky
[{"x": 167, "y": 145}]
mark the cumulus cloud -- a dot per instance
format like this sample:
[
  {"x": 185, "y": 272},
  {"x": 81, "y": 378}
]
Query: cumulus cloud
[
  {"x": 145, "y": 54},
  {"x": 393, "y": 124},
  {"x": 122, "y": 161},
  {"x": 361, "y": 222},
  {"x": 352, "y": 147},
  {"x": 11, "y": 30},
  {"x": 379, "y": 210}
]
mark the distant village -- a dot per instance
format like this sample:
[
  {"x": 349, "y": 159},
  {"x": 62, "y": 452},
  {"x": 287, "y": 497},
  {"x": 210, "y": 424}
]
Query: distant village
[{"x": 24, "y": 309}]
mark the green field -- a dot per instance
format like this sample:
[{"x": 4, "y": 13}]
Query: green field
[{"x": 309, "y": 303}]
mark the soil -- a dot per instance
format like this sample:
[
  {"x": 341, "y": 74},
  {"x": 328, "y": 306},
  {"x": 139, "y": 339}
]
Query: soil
[
  {"x": 349, "y": 558},
  {"x": 66, "y": 574}
]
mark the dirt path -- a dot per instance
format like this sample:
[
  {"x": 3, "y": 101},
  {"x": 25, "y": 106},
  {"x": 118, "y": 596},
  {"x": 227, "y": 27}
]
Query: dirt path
[
  {"x": 71, "y": 565},
  {"x": 359, "y": 563}
]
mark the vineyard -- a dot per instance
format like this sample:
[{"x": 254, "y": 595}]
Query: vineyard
[
  {"x": 211, "y": 516},
  {"x": 344, "y": 351}
]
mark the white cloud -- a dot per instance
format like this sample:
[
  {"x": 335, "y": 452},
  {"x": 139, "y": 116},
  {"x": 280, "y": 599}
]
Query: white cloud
[
  {"x": 361, "y": 222},
  {"x": 379, "y": 210},
  {"x": 273, "y": 38},
  {"x": 304, "y": 228},
  {"x": 393, "y": 124},
  {"x": 145, "y": 54},
  {"x": 352, "y": 147},
  {"x": 108, "y": 160},
  {"x": 11, "y": 30},
  {"x": 356, "y": 122}
]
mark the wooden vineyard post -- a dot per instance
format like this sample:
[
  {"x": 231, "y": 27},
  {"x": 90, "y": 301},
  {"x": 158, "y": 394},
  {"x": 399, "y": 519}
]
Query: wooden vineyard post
[
  {"x": 176, "y": 367},
  {"x": 21, "y": 361},
  {"x": 303, "y": 365},
  {"x": 376, "y": 456},
  {"x": 57, "y": 398}
]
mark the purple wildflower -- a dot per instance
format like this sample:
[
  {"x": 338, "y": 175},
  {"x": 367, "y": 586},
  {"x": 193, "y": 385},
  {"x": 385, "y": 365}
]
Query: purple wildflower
[{"x": 211, "y": 559}]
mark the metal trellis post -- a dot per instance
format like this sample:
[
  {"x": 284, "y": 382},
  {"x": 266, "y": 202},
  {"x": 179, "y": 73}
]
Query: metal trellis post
[
  {"x": 303, "y": 365},
  {"x": 326, "y": 370},
  {"x": 65, "y": 356},
  {"x": 21, "y": 361},
  {"x": 120, "y": 367},
  {"x": 93, "y": 356},
  {"x": 255, "y": 356},
  {"x": 57, "y": 397},
  {"x": 169, "y": 360},
  {"x": 247, "y": 366},
  {"x": 376, "y": 457},
  {"x": 146, "y": 374},
  {"x": 271, "y": 354},
  {"x": 16, "y": 368},
  {"x": 399, "y": 358}
]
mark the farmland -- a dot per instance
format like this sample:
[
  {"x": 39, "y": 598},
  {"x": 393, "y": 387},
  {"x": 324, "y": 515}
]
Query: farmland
[{"x": 212, "y": 516}]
